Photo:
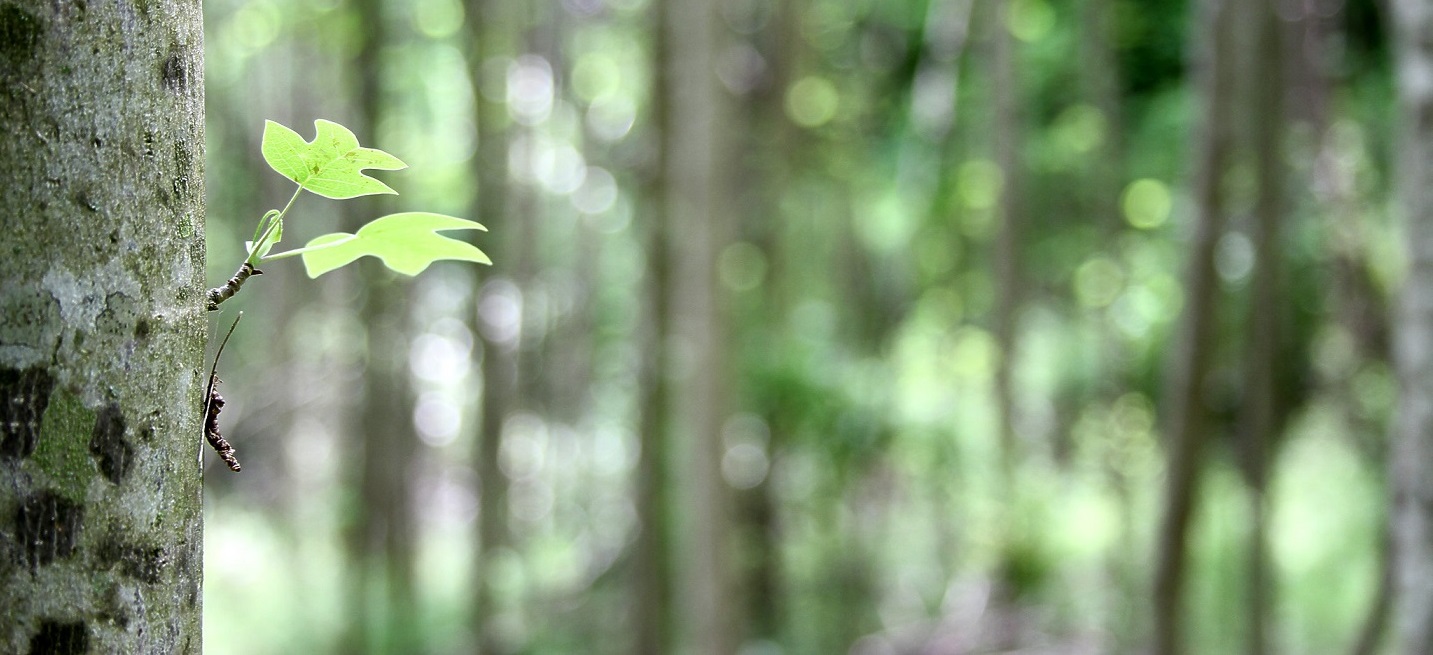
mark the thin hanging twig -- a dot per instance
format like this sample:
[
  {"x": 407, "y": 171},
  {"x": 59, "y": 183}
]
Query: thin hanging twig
[{"x": 214, "y": 403}]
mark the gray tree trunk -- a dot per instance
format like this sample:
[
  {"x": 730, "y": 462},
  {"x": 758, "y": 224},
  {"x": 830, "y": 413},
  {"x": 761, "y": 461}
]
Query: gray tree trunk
[
  {"x": 101, "y": 326},
  {"x": 695, "y": 174},
  {"x": 1412, "y": 452}
]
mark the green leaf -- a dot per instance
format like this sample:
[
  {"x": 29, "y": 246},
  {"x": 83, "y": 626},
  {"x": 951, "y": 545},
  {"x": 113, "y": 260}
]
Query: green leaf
[
  {"x": 406, "y": 242},
  {"x": 331, "y": 165}
]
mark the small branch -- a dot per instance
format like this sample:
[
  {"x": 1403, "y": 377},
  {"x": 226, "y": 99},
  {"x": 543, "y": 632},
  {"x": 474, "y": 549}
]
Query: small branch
[
  {"x": 220, "y": 294},
  {"x": 214, "y": 403}
]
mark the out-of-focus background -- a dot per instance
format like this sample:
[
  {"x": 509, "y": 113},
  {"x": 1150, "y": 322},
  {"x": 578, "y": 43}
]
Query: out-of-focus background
[{"x": 814, "y": 326}]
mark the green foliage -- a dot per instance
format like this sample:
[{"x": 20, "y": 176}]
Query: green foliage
[
  {"x": 406, "y": 242},
  {"x": 332, "y": 165}
]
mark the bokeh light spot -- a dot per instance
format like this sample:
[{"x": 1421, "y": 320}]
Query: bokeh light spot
[
  {"x": 437, "y": 19},
  {"x": 1147, "y": 203},
  {"x": 1080, "y": 129},
  {"x": 742, "y": 266},
  {"x": 1030, "y": 20},
  {"x": 812, "y": 101},
  {"x": 979, "y": 184},
  {"x": 1098, "y": 282}
]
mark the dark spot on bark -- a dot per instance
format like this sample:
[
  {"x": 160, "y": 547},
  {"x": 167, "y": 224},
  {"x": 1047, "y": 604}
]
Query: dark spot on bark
[
  {"x": 20, "y": 33},
  {"x": 24, "y": 395},
  {"x": 176, "y": 74},
  {"x": 118, "y": 315},
  {"x": 48, "y": 528},
  {"x": 142, "y": 329},
  {"x": 116, "y": 456},
  {"x": 143, "y": 563},
  {"x": 82, "y": 198},
  {"x": 114, "y": 237},
  {"x": 97, "y": 142},
  {"x": 60, "y": 638}
]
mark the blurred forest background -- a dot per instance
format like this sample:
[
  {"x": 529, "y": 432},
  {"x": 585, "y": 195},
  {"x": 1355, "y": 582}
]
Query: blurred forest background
[{"x": 815, "y": 326}]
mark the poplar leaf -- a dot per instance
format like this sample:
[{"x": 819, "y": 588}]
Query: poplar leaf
[
  {"x": 406, "y": 242},
  {"x": 331, "y": 165}
]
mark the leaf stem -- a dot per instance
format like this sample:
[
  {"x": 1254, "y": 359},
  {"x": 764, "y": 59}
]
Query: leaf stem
[
  {"x": 299, "y": 251},
  {"x": 256, "y": 256},
  {"x": 218, "y": 295}
]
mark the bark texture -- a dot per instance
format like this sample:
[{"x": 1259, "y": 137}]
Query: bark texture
[
  {"x": 101, "y": 326},
  {"x": 1412, "y": 450}
]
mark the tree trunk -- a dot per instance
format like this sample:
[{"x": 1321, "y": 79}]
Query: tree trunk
[
  {"x": 1262, "y": 418},
  {"x": 652, "y": 588},
  {"x": 498, "y": 312},
  {"x": 1412, "y": 452},
  {"x": 1186, "y": 406},
  {"x": 694, "y": 163},
  {"x": 101, "y": 327},
  {"x": 1005, "y": 74},
  {"x": 382, "y": 543}
]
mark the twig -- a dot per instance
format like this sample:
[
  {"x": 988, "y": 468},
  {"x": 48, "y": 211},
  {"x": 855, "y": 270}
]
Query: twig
[
  {"x": 220, "y": 294},
  {"x": 214, "y": 403}
]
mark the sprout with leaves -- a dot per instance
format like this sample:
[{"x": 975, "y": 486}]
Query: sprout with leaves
[{"x": 332, "y": 166}]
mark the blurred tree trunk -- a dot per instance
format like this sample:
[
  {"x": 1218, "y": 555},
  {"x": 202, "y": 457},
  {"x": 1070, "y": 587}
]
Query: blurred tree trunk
[
  {"x": 652, "y": 589},
  {"x": 383, "y": 617},
  {"x": 1186, "y": 427},
  {"x": 695, "y": 167},
  {"x": 1262, "y": 419},
  {"x": 498, "y": 311},
  {"x": 102, "y": 326},
  {"x": 775, "y": 146},
  {"x": 1099, "y": 35},
  {"x": 1102, "y": 90},
  {"x": 1005, "y": 76},
  {"x": 1412, "y": 452}
]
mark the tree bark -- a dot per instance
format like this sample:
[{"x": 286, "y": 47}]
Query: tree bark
[
  {"x": 1186, "y": 426},
  {"x": 1412, "y": 452},
  {"x": 101, "y": 327}
]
